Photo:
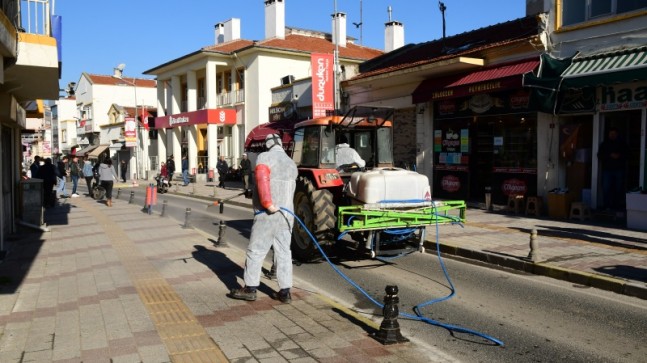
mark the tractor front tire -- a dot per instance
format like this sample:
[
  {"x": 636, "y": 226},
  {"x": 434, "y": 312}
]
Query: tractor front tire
[{"x": 316, "y": 210}]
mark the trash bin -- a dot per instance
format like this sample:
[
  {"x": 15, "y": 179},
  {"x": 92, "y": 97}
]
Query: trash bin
[
  {"x": 31, "y": 201},
  {"x": 488, "y": 198}
]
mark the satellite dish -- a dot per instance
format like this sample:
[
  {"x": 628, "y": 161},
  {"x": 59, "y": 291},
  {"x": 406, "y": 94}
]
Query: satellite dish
[{"x": 121, "y": 66}]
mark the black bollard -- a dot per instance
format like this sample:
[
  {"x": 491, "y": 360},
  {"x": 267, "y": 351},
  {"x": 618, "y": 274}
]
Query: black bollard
[
  {"x": 222, "y": 228},
  {"x": 187, "y": 223},
  {"x": 389, "y": 332},
  {"x": 118, "y": 192},
  {"x": 163, "y": 208},
  {"x": 222, "y": 207},
  {"x": 132, "y": 197}
]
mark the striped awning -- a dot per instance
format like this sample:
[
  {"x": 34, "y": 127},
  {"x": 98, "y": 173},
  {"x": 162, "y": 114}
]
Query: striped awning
[{"x": 607, "y": 68}]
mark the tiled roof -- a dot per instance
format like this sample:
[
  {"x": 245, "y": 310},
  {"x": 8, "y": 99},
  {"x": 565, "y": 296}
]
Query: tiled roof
[
  {"x": 299, "y": 43},
  {"x": 113, "y": 81},
  {"x": 413, "y": 55}
]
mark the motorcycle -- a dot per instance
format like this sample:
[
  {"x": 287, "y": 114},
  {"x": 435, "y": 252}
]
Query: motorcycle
[
  {"x": 163, "y": 184},
  {"x": 98, "y": 192}
]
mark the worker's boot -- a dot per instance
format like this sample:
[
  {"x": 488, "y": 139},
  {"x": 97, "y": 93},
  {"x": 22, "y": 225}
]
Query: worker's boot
[
  {"x": 283, "y": 296},
  {"x": 246, "y": 293}
]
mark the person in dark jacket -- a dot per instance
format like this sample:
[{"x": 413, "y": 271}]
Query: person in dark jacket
[
  {"x": 33, "y": 168},
  {"x": 47, "y": 172},
  {"x": 124, "y": 170},
  {"x": 170, "y": 167},
  {"x": 246, "y": 170},
  {"x": 222, "y": 168},
  {"x": 61, "y": 176},
  {"x": 612, "y": 155},
  {"x": 185, "y": 170}
]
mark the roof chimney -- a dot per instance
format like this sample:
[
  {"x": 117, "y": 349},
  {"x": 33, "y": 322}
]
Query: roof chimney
[
  {"x": 220, "y": 33},
  {"x": 393, "y": 35},
  {"x": 339, "y": 29},
  {"x": 274, "y": 19},
  {"x": 232, "y": 29}
]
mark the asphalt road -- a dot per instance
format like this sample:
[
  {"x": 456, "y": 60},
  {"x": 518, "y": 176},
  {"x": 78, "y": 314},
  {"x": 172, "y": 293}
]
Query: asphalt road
[{"x": 537, "y": 318}]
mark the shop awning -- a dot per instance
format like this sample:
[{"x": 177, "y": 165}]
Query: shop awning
[
  {"x": 491, "y": 79},
  {"x": 607, "y": 68},
  {"x": 117, "y": 146},
  {"x": 96, "y": 152},
  {"x": 86, "y": 150}
]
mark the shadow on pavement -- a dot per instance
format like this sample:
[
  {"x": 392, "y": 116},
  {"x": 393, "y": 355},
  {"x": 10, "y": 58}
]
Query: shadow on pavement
[
  {"x": 588, "y": 235},
  {"x": 624, "y": 271}
]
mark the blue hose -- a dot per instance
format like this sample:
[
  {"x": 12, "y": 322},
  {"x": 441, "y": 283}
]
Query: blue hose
[{"x": 418, "y": 316}]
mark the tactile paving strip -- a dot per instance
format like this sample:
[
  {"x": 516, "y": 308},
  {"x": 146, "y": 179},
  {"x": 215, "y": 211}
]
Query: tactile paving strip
[{"x": 185, "y": 339}]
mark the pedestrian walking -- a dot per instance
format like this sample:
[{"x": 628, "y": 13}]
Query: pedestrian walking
[
  {"x": 222, "y": 168},
  {"x": 246, "y": 171},
  {"x": 107, "y": 176},
  {"x": 76, "y": 172},
  {"x": 275, "y": 175},
  {"x": 170, "y": 166},
  {"x": 88, "y": 173},
  {"x": 164, "y": 170},
  {"x": 185, "y": 170},
  {"x": 33, "y": 168},
  {"x": 124, "y": 169},
  {"x": 47, "y": 172},
  {"x": 61, "y": 176}
]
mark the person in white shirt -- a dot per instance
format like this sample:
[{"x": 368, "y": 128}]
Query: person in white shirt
[{"x": 346, "y": 155}]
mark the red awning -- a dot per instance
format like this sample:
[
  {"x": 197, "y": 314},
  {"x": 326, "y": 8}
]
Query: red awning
[
  {"x": 492, "y": 79},
  {"x": 255, "y": 141}
]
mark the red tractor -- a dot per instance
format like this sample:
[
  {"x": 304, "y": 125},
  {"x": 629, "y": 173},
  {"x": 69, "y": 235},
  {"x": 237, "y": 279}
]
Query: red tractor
[{"x": 379, "y": 206}]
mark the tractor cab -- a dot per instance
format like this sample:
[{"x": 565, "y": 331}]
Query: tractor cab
[{"x": 370, "y": 134}]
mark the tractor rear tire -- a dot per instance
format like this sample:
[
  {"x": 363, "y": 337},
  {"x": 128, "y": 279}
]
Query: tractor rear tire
[{"x": 316, "y": 210}]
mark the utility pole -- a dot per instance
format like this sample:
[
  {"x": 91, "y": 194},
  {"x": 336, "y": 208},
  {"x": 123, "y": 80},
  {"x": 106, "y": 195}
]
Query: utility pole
[{"x": 442, "y": 8}]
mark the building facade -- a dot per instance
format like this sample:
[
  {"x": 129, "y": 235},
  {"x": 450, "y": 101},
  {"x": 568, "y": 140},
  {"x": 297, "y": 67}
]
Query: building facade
[
  {"x": 101, "y": 132},
  {"x": 210, "y": 99},
  {"x": 28, "y": 46}
]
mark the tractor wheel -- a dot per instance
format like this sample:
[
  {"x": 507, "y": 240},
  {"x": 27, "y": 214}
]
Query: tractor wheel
[{"x": 316, "y": 210}]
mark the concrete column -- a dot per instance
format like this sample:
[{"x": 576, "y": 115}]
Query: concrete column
[
  {"x": 235, "y": 143},
  {"x": 211, "y": 95},
  {"x": 161, "y": 98},
  {"x": 192, "y": 91},
  {"x": 212, "y": 145},
  {"x": 161, "y": 147},
  {"x": 176, "y": 98},
  {"x": 176, "y": 148},
  {"x": 145, "y": 142},
  {"x": 191, "y": 139}
]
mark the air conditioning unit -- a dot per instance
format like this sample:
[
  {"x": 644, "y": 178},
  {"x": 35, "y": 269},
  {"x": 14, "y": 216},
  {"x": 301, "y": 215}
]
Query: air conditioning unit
[{"x": 287, "y": 80}]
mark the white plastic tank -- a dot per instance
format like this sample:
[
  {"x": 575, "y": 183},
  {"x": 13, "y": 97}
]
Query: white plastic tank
[{"x": 388, "y": 185}]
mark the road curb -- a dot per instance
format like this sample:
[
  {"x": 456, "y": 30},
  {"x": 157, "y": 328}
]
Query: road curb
[{"x": 545, "y": 269}]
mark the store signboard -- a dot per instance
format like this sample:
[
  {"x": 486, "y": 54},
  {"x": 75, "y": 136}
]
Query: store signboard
[
  {"x": 322, "y": 84},
  {"x": 218, "y": 116},
  {"x": 130, "y": 132},
  {"x": 623, "y": 96}
]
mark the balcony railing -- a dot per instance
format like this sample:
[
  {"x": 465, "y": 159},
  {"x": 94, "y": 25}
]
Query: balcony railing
[{"x": 35, "y": 16}]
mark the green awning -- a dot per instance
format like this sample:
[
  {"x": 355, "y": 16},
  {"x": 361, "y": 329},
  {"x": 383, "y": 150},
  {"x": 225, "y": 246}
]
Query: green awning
[{"x": 621, "y": 66}]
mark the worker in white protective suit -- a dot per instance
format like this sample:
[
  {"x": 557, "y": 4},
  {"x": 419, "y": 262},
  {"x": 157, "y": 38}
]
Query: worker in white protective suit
[
  {"x": 275, "y": 176},
  {"x": 345, "y": 156}
]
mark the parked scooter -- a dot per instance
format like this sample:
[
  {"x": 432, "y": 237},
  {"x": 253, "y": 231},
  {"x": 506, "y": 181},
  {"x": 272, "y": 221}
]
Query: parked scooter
[
  {"x": 163, "y": 184},
  {"x": 98, "y": 192}
]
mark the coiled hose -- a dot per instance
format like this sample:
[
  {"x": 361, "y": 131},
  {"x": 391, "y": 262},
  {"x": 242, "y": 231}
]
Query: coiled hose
[{"x": 419, "y": 316}]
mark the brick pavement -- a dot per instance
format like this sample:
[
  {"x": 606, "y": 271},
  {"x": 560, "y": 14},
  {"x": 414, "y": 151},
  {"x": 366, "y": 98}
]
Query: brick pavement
[{"x": 118, "y": 285}]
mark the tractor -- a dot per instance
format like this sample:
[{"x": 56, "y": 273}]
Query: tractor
[{"x": 382, "y": 208}]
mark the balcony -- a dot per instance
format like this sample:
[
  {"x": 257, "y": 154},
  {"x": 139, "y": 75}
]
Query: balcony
[{"x": 31, "y": 67}]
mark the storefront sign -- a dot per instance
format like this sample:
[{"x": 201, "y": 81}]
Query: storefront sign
[
  {"x": 514, "y": 187},
  {"x": 623, "y": 97},
  {"x": 219, "y": 116},
  {"x": 322, "y": 84},
  {"x": 483, "y": 104},
  {"x": 280, "y": 112},
  {"x": 450, "y": 183},
  {"x": 130, "y": 132}
]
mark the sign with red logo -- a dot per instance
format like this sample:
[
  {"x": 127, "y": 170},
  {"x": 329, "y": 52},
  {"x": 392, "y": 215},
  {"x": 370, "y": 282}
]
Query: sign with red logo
[
  {"x": 219, "y": 116},
  {"x": 130, "y": 132},
  {"x": 514, "y": 186},
  {"x": 322, "y": 84},
  {"x": 450, "y": 183}
]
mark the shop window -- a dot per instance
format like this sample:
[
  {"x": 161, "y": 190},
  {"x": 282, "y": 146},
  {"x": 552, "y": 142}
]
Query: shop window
[{"x": 580, "y": 11}]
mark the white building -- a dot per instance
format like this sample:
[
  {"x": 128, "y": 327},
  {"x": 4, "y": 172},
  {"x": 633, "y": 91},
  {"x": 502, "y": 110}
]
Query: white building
[
  {"x": 65, "y": 115},
  {"x": 210, "y": 99},
  {"x": 95, "y": 95}
]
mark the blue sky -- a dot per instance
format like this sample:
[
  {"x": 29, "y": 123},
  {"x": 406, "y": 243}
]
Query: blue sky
[{"x": 99, "y": 35}]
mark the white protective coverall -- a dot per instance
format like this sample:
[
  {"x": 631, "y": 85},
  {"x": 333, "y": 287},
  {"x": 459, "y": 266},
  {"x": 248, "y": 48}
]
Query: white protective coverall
[
  {"x": 347, "y": 155},
  {"x": 275, "y": 175}
]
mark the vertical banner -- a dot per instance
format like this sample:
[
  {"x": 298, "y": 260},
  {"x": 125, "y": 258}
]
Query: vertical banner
[
  {"x": 130, "y": 132},
  {"x": 322, "y": 84}
]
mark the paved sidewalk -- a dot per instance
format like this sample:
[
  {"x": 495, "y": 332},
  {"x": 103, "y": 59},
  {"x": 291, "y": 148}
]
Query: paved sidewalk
[
  {"x": 119, "y": 285},
  {"x": 593, "y": 253}
]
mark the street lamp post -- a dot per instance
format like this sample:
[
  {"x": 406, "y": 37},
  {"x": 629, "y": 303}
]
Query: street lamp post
[{"x": 119, "y": 75}]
